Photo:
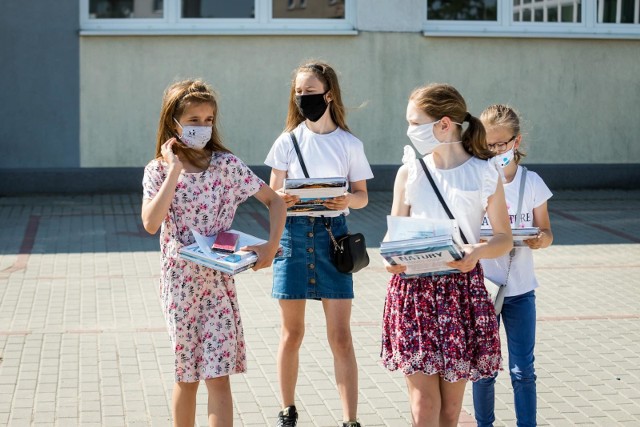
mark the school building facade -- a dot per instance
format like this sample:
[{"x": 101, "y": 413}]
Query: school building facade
[{"x": 82, "y": 81}]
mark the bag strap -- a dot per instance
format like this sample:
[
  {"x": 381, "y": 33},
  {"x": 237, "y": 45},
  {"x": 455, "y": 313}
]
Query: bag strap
[
  {"x": 442, "y": 202},
  {"x": 523, "y": 179},
  {"x": 327, "y": 225},
  {"x": 300, "y": 159}
]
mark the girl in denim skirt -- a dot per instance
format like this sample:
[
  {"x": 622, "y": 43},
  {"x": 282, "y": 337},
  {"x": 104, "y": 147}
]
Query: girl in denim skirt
[{"x": 316, "y": 117}]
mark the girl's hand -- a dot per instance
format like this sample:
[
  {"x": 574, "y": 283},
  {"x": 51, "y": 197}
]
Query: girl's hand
[
  {"x": 169, "y": 156},
  {"x": 338, "y": 203},
  {"x": 394, "y": 269},
  {"x": 288, "y": 199},
  {"x": 468, "y": 262},
  {"x": 266, "y": 252},
  {"x": 542, "y": 240}
]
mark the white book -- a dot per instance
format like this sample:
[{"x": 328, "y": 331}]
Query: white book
[
  {"x": 313, "y": 192},
  {"x": 519, "y": 234},
  {"x": 201, "y": 253}
]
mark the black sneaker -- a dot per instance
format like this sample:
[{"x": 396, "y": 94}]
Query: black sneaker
[
  {"x": 351, "y": 424},
  {"x": 288, "y": 417}
]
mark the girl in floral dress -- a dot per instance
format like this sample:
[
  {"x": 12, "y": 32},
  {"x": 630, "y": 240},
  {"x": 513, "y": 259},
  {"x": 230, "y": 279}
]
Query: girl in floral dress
[
  {"x": 441, "y": 331},
  {"x": 195, "y": 183}
]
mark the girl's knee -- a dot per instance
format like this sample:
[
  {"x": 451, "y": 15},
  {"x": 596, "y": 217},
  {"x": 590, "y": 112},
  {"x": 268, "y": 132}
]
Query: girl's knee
[
  {"x": 218, "y": 384},
  {"x": 341, "y": 341},
  {"x": 424, "y": 409},
  {"x": 291, "y": 338},
  {"x": 450, "y": 413}
]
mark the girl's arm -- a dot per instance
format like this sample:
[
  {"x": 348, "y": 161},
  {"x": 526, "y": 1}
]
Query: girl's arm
[
  {"x": 499, "y": 244},
  {"x": 398, "y": 208},
  {"x": 276, "y": 182},
  {"x": 155, "y": 210},
  {"x": 541, "y": 220},
  {"x": 277, "y": 216}
]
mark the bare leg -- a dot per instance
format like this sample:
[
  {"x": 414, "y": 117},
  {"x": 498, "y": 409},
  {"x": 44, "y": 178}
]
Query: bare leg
[
  {"x": 451, "y": 395},
  {"x": 424, "y": 399},
  {"x": 291, "y": 334},
  {"x": 183, "y": 404},
  {"x": 219, "y": 402},
  {"x": 338, "y": 316}
]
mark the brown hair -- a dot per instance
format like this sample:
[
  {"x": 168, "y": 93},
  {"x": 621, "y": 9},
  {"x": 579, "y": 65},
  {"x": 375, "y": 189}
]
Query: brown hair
[
  {"x": 504, "y": 116},
  {"x": 327, "y": 75},
  {"x": 440, "y": 100},
  {"x": 177, "y": 97}
]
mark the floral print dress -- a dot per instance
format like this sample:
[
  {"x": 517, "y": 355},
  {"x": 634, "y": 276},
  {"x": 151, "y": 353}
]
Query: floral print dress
[{"x": 200, "y": 304}]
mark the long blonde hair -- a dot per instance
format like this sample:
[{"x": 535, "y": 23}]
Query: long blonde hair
[
  {"x": 440, "y": 100},
  {"x": 327, "y": 75},
  {"x": 177, "y": 97},
  {"x": 506, "y": 117}
]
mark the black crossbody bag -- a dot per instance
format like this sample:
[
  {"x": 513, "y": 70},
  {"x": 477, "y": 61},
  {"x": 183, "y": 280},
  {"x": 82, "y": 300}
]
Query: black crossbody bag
[{"x": 348, "y": 252}]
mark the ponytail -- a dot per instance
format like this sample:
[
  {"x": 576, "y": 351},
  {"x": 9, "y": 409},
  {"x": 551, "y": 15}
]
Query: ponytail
[{"x": 474, "y": 138}]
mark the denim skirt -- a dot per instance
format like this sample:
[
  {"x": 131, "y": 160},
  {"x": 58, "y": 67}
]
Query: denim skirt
[{"x": 305, "y": 271}]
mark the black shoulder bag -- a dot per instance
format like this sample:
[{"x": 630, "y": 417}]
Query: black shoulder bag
[{"x": 348, "y": 252}]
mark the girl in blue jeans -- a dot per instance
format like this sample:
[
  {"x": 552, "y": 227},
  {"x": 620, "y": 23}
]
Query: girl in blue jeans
[{"x": 516, "y": 269}]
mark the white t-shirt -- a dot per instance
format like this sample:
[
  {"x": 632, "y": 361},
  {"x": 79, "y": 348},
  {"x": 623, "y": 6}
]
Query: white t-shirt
[
  {"x": 334, "y": 154},
  {"x": 521, "y": 276},
  {"x": 465, "y": 189}
]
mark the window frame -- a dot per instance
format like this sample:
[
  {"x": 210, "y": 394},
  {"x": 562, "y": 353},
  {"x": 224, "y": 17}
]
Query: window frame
[
  {"x": 172, "y": 24},
  {"x": 504, "y": 26}
]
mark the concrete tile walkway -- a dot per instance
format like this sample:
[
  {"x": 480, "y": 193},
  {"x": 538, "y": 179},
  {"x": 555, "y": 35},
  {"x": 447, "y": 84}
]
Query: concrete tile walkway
[{"x": 83, "y": 342}]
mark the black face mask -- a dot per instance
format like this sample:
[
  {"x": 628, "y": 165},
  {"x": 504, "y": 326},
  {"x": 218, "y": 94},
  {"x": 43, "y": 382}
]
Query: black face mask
[{"x": 312, "y": 107}]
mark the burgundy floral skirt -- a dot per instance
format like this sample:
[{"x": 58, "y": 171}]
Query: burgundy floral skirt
[{"x": 443, "y": 325}]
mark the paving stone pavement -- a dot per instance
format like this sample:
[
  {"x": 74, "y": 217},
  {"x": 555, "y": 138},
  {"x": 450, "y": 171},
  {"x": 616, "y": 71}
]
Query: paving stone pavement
[{"x": 83, "y": 342}]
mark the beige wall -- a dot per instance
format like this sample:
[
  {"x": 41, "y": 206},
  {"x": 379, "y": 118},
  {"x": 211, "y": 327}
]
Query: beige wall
[{"x": 580, "y": 98}]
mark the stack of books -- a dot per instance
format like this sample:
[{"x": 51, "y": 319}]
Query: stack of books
[
  {"x": 228, "y": 260},
  {"x": 313, "y": 192},
  {"x": 519, "y": 234},
  {"x": 423, "y": 246},
  {"x": 423, "y": 257}
]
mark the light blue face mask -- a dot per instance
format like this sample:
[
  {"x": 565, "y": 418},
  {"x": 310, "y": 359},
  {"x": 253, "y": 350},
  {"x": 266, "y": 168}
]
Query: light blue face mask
[{"x": 195, "y": 137}]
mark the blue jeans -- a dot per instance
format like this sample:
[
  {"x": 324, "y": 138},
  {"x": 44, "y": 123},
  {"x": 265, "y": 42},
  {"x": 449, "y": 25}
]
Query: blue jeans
[{"x": 519, "y": 318}]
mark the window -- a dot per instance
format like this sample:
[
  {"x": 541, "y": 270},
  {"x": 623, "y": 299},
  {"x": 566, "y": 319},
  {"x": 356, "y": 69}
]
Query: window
[
  {"x": 216, "y": 17},
  {"x": 533, "y": 18}
]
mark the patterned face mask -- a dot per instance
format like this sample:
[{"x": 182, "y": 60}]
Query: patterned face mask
[
  {"x": 195, "y": 137},
  {"x": 505, "y": 158}
]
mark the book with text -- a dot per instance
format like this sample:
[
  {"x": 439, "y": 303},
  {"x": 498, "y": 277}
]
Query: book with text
[
  {"x": 519, "y": 234},
  {"x": 201, "y": 253},
  {"x": 313, "y": 192},
  {"x": 423, "y": 256},
  {"x": 425, "y": 246}
]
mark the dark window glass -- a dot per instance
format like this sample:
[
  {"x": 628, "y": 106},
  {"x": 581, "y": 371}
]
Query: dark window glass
[
  {"x": 462, "y": 10},
  {"x": 118, "y": 9},
  {"x": 218, "y": 9},
  {"x": 308, "y": 9},
  {"x": 609, "y": 8}
]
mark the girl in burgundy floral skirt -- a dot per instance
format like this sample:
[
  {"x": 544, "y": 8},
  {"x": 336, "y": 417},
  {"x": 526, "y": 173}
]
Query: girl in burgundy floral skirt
[{"x": 441, "y": 330}]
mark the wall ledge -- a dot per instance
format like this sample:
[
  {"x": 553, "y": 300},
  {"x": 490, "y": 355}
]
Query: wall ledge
[{"x": 118, "y": 180}]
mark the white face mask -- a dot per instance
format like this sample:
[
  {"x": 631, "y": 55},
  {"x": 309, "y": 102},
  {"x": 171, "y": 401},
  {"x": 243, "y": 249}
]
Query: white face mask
[
  {"x": 505, "y": 158},
  {"x": 195, "y": 137},
  {"x": 423, "y": 138}
]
